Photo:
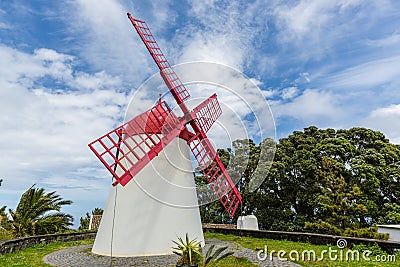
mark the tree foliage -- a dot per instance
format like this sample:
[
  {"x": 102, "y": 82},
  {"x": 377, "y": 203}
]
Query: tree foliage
[
  {"x": 38, "y": 213},
  {"x": 84, "y": 221},
  {"x": 321, "y": 180}
]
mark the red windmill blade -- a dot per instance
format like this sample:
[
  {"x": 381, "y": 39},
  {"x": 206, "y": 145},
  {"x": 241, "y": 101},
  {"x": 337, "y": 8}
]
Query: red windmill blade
[{"x": 134, "y": 144}]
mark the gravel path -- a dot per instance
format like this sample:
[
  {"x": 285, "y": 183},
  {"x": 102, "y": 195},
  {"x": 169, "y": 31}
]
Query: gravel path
[{"x": 81, "y": 256}]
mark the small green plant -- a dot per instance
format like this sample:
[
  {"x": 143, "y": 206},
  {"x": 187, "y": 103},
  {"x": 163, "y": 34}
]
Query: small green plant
[
  {"x": 214, "y": 257},
  {"x": 189, "y": 252},
  {"x": 375, "y": 249}
]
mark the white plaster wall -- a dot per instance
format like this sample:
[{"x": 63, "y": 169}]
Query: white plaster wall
[{"x": 154, "y": 208}]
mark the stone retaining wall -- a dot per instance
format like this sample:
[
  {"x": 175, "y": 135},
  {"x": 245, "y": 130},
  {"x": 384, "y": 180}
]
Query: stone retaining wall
[
  {"x": 317, "y": 239},
  {"x": 9, "y": 246}
]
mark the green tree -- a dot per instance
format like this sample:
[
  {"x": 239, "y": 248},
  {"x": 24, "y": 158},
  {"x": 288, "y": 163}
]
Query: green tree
[
  {"x": 4, "y": 221},
  {"x": 324, "y": 180},
  {"x": 291, "y": 182},
  {"x": 39, "y": 213},
  {"x": 366, "y": 170},
  {"x": 241, "y": 162},
  {"x": 338, "y": 204},
  {"x": 391, "y": 213},
  {"x": 84, "y": 221}
]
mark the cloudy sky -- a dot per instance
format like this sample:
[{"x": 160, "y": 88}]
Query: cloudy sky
[{"x": 68, "y": 70}]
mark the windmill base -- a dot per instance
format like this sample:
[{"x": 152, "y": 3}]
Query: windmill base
[{"x": 153, "y": 209}]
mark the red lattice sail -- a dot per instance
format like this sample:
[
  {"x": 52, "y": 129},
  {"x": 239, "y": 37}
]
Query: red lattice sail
[
  {"x": 132, "y": 145},
  {"x": 172, "y": 80}
]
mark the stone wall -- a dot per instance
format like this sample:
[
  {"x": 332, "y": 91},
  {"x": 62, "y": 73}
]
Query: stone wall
[
  {"x": 9, "y": 246},
  {"x": 317, "y": 239}
]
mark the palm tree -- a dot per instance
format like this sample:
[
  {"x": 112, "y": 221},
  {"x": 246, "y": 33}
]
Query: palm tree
[{"x": 39, "y": 213}]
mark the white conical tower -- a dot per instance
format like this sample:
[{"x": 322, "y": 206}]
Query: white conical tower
[{"x": 155, "y": 207}]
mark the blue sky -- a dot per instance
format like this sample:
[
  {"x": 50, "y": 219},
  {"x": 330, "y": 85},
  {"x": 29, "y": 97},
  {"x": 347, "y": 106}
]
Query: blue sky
[{"x": 68, "y": 69}]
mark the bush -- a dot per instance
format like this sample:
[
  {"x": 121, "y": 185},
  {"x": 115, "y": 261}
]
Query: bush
[
  {"x": 371, "y": 232},
  {"x": 322, "y": 227},
  {"x": 6, "y": 235},
  {"x": 375, "y": 249}
]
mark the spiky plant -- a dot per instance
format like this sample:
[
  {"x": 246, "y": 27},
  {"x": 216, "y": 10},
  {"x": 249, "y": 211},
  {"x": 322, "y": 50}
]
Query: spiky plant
[
  {"x": 188, "y": 250},
  {"x": 216, "y": 256}
]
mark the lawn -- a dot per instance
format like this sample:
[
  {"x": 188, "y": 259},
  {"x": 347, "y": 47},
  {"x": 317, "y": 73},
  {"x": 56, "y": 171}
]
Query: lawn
[
  {"x": 33, "y": 256},
  {"x": 292, "y": 249}
]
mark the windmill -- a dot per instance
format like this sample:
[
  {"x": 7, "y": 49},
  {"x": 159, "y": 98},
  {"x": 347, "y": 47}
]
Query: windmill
[{"x": 134, "y": 153}]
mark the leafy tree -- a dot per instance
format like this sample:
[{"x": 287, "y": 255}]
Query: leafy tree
[
  {"x": 366, "y": 170},
  {"x": 39, "y": 213},
  {"x": 84, "y": 221},
  {"x": 391, "y": 213},
  {"x": 291, "y": 181},
  {"x": 338, "y": 204},
  {"x": 241, "y": 163},
  {"x": 4, "y": 221},
  {"x": 321, "y": 180}
]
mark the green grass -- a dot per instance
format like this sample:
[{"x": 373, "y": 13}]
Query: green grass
[
  {"x": 232, "y": 261},
  {"x": 33, "y": 256},
  {"x": 288, "y": 246}
]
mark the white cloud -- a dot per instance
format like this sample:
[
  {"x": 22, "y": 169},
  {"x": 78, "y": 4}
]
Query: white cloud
[
  {"x": 19, "y": 66},
  {"x": 204, "y": 47},
  {"x": 268, "y": 93},
  {"x": 4, "y": 25},
  {"x": 314, "y": 29},
  {"x": 386, "y": 120},
  {"x": 289, "y": 92},
  {"x": 311, "y": 107},
  {"x": 45, "y": 131},
  {"x": 388, "y": 41},
  {"x": 107, "y": 39},
  {"x": 304, "y": 76},
  {"x": 306, "y": 17},
  {"x": 309, "y": 19},
  {"x": 367, "y": 75},
  {"x": 99, "y": 80},
  {"x": 220, "y": 33}
]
